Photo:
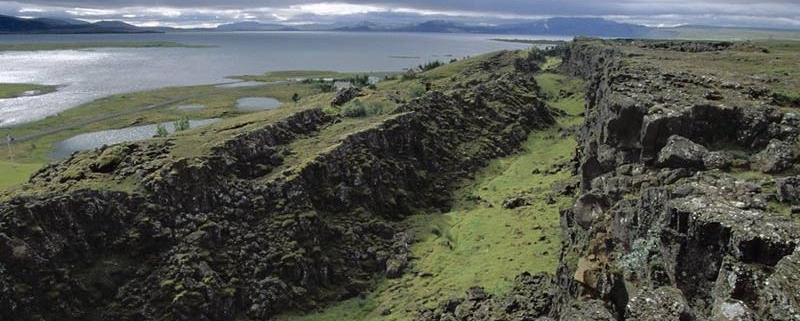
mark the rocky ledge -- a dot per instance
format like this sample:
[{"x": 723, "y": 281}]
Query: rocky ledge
[
  {"x": 688, "y": 202},
  {"x": 241, "y": 228}
]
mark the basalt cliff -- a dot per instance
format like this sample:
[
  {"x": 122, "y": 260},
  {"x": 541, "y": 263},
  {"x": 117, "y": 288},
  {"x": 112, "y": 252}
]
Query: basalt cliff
[{"x": 687, "y": 204}]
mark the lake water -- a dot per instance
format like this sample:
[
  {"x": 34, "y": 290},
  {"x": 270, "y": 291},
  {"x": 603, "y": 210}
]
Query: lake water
[
  {"x": 257, "y": 103},
  {"x": 86, "y": 75},
  {"x": 94, "y": 140}
]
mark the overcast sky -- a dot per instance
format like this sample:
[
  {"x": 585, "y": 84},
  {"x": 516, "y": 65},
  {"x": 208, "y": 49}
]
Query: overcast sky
[{"x": 209, "y": 13}]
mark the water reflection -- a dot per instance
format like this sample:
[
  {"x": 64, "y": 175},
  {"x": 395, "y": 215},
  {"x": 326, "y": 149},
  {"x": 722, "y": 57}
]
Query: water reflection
[
  {"x": 94, "y": 140},
  {"x": 257, "y": 103}
]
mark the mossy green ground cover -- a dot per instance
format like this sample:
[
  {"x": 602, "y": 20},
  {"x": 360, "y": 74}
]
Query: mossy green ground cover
[{"x": 479, "y": 242}]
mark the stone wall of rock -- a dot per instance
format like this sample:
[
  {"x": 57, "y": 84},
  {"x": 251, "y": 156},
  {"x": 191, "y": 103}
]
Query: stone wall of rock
[
  {"x": 219, "y": 236},
  {"x": 660, "y": 229}
]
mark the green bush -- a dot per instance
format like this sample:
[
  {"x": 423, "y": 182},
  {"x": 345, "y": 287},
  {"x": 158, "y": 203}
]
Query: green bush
[
  {"x": 354, "y": 108},
  {"x": 182, "y": 124},
  {"x": 161, "y": 130},
  {"x": 325, "y": 86},
  {"x": 430, "y": 65},
  {"x": 357, "y": 108},
  {"x": 417, "y": 91},
  {"x": 409, "y": 75},
  {"x": 360, "y": 81}
]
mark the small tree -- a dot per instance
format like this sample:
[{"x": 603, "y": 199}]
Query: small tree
[
  {"x": 161, "y": 130},
  {"x": 182, "y": 124},
  {"x": 295, "y": 98}
]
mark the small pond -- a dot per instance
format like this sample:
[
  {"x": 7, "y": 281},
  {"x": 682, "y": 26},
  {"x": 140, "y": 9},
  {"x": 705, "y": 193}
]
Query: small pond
[
  {"x": 257, "y": 103},
  {"x": 94, "y": 140}
]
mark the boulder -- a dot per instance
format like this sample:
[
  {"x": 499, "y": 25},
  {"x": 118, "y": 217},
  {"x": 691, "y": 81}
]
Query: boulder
[
  {"x": 775, "y": 158},
  {"x": 680, "y": 152},
  {"x": 719, "y": 160},
  {"x": 345, "y": 95},
  {"x": 788, "y": 189},
  {"x": 588, "y": 208}
]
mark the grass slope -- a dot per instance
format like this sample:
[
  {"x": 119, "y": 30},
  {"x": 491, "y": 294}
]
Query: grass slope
[
  {"x": 479, "y": 242},
  {"x": 12, "y": 173}
]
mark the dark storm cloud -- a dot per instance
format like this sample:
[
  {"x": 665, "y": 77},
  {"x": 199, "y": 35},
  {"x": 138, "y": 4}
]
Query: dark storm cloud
[{"x": 732, "y": 12}]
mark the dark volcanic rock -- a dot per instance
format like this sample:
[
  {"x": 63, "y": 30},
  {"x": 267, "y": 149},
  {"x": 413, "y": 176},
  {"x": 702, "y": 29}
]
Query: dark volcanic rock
[
  {"x": 777, "y": 157},
  {"x": 681, "y": 152},
  {"x": 592, "y": 310},
  {"x": 530, "y": 299},
  {"x": 665, "y": 303},
  {"x": 345, "y": 95},
  {"x": 223, "y": 235},
  {"x": 788, "y": 189},
  {"x": 690, "y": 244}
]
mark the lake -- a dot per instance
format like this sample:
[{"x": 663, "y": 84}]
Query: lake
[{"x": 86, "y": 75}]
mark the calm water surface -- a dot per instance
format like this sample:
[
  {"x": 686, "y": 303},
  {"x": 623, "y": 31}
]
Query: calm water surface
[
  {"x": 94, "y": 140},
  {"x": 86, "y": 75}
]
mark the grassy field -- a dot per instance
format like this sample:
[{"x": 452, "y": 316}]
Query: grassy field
[
  {"x": 35, "y": 140},
  {"x": 14, "y": 173},
  {"x": 88, "y": 45},
  {"x": 479, "y": 242},
  {"x": 18, "y": 90}
]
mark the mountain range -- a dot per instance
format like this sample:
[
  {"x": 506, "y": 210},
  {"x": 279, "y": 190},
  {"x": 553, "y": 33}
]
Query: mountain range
[
  {"x": 9, "y": 24},
  {"x": 552, "y": 26}
]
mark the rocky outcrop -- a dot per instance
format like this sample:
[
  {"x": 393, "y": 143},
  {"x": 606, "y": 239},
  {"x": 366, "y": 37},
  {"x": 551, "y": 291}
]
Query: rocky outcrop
[
  {"x": 660, "y": 231},
  {"x": 670, "y": 239},
  {"x": 530, "y": 299},
  {"x": 223, "y": 234}
]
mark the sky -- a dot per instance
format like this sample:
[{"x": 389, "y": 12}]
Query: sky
[{"x": 210, "y": 13}]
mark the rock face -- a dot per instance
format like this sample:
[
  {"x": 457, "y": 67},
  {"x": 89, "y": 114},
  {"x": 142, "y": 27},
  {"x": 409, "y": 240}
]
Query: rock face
[
  {"x": 224, "y": 234},
  {"x": 675, "y": 241},
  {"x": 660, "y": 230}
]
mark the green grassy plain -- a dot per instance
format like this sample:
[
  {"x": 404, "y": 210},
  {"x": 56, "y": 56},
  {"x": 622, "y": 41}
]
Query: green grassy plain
[{"x": 14, "y": 173}]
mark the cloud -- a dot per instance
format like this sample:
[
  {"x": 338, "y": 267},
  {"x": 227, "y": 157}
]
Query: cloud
[{"x": 769, "y": 13}]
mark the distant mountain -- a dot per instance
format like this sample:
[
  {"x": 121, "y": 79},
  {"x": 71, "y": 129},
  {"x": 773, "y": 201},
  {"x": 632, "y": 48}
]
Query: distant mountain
[
  {"x": 61, "y": 21},
  {"x": 363, "y": 26},
  {"x": 594, "y": 27},
  {"x": 9, "y": 24},
  {"x": 253, "y": 26}
]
